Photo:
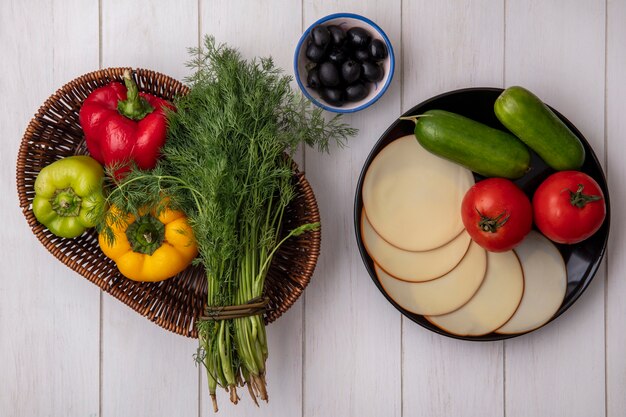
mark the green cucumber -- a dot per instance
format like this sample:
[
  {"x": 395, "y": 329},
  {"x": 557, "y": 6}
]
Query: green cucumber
[
  {"x": 487, "y": 151},
  {"x": 524, "y": 114}
]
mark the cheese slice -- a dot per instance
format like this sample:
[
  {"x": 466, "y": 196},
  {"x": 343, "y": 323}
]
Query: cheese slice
[
  {"x": 493, "y": 304},
  {"x": 441, "y": 295},
  {"x": 413, "y": 198},
  {"x": 545, "y": 277},
  {"x": 413, "y": 266}
]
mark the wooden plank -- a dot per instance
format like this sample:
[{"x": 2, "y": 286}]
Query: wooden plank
[
  {"x": 352, "y": 335},
  {"x": 139, "y": 358},
  {"x": 149, "y": 34},
  {"x": 146, "y": 370},
  {"x": 616, "y": 265},
  {"x": 49, "y": 316},
  {"x": 556, "y": 49},
  {"x": 450, "y": 45},
  {"x": 240, "y": 24}
]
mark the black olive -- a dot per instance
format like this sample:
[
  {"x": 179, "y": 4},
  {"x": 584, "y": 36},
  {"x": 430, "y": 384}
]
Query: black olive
[
  {"x": 315, "y": 53},
  {"x": 357, "y": 91},
  {"x": 332, "y": 96},
  {"x": 372, "y": 72},
  {"x": 358, "y": 37},
  {"x": 338, "y": 56},
  {"x": 378, "y": 50},
  {"x": 329, "y": 76},
  {"x": 361, "y": 55},
  {"x": 320, "y": 35},
  {"x": 337, "y": 35},
  {"x": 313, "y": 79},
  {"x": 350, "y": 71}
]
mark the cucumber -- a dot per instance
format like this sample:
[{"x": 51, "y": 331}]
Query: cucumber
[
  {"x": 524, "y": 114},
  {"x": 480, "y": 148}
]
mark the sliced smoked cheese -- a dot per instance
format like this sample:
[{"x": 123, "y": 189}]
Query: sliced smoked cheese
[
  {"x": 441, "y": 295},
  {"x": 545, "y": 278},
  {"x": 413, "y": 266},
  {"x": 413, "y": 198},
  {"x": 493, "y": 304}
]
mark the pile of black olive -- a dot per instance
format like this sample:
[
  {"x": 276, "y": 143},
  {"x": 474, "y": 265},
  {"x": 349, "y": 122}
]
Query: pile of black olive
[{"x": 344, "y": 63}]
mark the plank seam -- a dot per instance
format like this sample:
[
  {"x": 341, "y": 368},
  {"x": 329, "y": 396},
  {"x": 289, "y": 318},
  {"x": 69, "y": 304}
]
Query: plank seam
[
  {"x": 401, "y": 361},
  {"x": 303, "y": 146},
  {"x": 504, "y": 378},
  {"x": 504, "y": 11},
  {"x": 100, "y": 299},
  {"x": 99, "y": 34},
  {"x": 100, "y": 351},
  {"x": 401, "y": 67},
  {"x": 199, "y": 23},
  {"x": 504, "y": 44},
  {"x": 302, "y": 390},
  {"x": 54, "y": 36},
  {"x": 303, "y": 340},
  {"x": 401, "y": 56},
  {"x": 606, "y": 170},
  {"x": 199, "y": 391}
]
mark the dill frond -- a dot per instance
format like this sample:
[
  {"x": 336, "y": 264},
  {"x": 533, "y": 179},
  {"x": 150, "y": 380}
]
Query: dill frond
[{"x": 226, "y": 164}]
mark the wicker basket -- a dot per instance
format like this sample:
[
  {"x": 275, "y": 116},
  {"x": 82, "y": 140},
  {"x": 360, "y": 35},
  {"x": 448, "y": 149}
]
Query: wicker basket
[{"x": 176, "y": 303}]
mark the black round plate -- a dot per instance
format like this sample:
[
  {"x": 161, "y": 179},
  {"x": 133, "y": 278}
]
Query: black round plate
[{"x": 582, "y": 259}]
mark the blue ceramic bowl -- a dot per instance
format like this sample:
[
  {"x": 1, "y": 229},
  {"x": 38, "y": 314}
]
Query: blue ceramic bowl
[{"x": 346, "y": 21}]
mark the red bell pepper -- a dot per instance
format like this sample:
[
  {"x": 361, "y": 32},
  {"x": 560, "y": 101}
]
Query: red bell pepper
[{"x": 123, "y": 126}]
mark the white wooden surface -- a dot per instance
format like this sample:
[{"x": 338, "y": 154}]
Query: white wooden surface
[
  {"x": 475, "y": 29},
  {"x": 342, "y": 350},
  {"x": 568, "y": 69}
]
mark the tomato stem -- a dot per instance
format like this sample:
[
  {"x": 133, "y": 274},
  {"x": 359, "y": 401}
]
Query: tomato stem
[
  {"x": 580, "y": 200},
  {"x": 492, "y": 224}
]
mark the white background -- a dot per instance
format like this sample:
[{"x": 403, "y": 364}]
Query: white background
[{"x": 342, "y": 350}]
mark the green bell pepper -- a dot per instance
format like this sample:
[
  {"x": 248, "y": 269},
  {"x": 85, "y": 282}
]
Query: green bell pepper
[{"x": 68, "y": 195}]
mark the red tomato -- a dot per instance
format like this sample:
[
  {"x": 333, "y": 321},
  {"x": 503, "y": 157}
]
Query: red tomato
[
  {"x": 496, "y": 214},
  {"x": 569, "y": 207}
]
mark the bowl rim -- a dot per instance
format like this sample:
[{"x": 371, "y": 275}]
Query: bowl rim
[{"x": 392, "y": 63}]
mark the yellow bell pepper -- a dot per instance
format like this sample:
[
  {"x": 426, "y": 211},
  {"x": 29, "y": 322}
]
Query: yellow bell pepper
[{"x": 152, "y": 247}]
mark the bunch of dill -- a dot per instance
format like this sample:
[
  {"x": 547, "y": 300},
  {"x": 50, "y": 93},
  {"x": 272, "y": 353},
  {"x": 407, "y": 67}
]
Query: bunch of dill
[{"x": 226, "y": 165}]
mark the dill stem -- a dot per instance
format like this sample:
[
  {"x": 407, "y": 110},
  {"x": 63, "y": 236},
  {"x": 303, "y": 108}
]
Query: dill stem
[
  {"x": 269, "y": 258},
  {"x": 221, "y": 343},
  {"x": 217, "y": 363},
  {"x": 194, "y": 193},
  {"x": 211, "y": 380},
  {"x": 255, "y": 330}
]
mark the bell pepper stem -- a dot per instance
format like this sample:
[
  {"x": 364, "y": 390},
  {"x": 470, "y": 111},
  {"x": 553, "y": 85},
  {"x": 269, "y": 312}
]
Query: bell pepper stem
[
  {"x": 66, "y": 203},
  {"x": 134, "y": 107},
  {"x": 146, "y": 234}
]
